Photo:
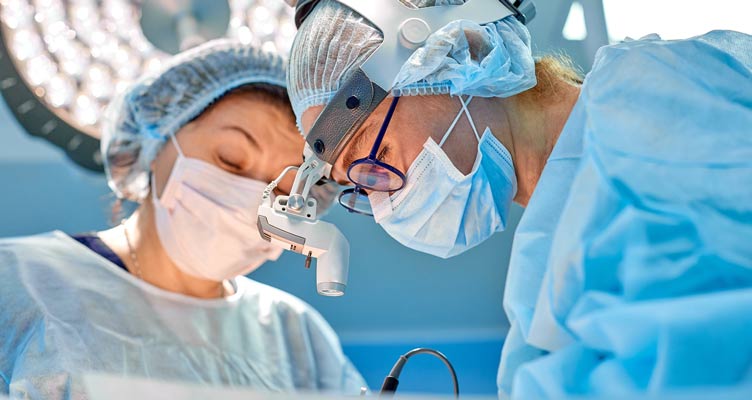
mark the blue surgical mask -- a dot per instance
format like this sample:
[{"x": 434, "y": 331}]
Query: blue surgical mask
[{"x": 443, "y": 212}]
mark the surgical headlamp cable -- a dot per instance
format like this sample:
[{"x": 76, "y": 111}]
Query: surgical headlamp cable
[
  {"x": 267, "y": 194},
  {"x": 392, "y": 380}
]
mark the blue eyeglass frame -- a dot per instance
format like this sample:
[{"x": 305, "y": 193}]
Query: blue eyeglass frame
[{"x": 359, "y": 189}]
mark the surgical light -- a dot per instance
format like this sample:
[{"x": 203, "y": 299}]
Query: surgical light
[{"x": 62, "y": 61}]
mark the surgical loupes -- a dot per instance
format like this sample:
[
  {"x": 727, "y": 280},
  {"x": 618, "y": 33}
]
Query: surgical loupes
[{"x": 291, "y": 223}]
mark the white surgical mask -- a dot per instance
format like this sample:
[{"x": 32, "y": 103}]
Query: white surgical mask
[
  {"x": 206, "y": 220},
  {"x": 443, "y": 212}
]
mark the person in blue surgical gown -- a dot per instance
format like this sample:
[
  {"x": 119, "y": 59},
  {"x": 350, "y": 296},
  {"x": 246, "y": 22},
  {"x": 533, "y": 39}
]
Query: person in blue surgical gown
[
  {"x": 631, "y": 269},
  {"x": 162, "y": 295}
]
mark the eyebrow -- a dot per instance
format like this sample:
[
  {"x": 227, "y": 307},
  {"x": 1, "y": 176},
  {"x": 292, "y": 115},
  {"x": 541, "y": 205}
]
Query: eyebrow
[
  {"x": 360, "y": 141},
  {"x": 245, "y": 133}
]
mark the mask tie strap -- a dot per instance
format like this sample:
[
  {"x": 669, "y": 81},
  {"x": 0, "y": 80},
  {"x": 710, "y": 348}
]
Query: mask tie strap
[
  {"x": 470, "y": 117},
  {"x": 456, "y": 119}
]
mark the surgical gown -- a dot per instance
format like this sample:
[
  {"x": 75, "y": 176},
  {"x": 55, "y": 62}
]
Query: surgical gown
[
  {"x": 67, "y": 311},
  {"x": 631, "y": 269}
]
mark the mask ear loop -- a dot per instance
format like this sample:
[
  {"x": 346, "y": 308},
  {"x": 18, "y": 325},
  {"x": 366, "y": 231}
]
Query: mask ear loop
[
  {"x": 463, "y": 110},
  {"x": 152, "y": 182},
  {"x": 177, "y": 146}
]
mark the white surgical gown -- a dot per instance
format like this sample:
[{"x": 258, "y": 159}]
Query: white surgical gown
[
  {"x": 631, "y": 269},
  {"x": 67, "y": 311}
]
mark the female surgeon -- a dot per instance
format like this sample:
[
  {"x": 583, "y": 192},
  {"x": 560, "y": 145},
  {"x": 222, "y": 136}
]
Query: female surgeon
[
  {"x": 631, "y": 269},
  {"x": 162, "y": 295}
]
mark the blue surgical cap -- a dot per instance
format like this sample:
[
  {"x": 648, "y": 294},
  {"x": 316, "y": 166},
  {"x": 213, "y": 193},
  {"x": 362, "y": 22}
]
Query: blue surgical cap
[
  {"x": 138, "y": 122},
  {"x": 462, "y": 58}
]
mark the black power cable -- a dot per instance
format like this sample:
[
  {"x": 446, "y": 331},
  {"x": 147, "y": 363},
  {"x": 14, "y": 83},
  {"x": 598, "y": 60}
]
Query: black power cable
[{"x": 392, "y": 380}]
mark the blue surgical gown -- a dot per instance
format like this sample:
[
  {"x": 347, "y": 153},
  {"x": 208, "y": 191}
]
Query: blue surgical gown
[
  {"x": 631, "y": 269},
  {"x": 67, "y": 311}
]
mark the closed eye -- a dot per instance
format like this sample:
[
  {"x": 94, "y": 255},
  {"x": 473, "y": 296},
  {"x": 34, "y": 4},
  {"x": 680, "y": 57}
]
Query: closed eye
[
  {"x": 230, "y": 164},
  {"x": 359, "y": 144},
  {"x": 383, "y": 152}
]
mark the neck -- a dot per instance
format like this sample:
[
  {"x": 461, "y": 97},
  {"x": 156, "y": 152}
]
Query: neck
[
  {"x": 156, "y": 267},
  {"x": 529, "y": 129}
]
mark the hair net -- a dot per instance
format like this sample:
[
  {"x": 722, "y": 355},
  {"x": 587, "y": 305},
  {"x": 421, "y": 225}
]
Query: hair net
[
  {"x": 138, "y": 122},
  {"x": 463, "y": 57}
]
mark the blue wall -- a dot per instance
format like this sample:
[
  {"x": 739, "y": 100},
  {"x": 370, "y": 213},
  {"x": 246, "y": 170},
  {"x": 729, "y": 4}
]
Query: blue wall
[{"x": 397, "y": 299}]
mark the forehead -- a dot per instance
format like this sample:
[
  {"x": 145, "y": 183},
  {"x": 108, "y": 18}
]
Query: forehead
[{"x": 241, "y": 108}]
